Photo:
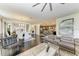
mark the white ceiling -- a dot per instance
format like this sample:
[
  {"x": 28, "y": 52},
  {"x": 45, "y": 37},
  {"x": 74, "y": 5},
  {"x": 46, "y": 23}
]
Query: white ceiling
[{"x": 25, "y": 10}]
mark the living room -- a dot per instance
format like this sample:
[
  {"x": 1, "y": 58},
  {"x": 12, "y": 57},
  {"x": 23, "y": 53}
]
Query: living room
[{"x": 39, "y": 29}]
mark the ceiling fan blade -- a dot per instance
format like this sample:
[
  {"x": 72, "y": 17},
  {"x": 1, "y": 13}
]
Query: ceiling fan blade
[
  {"x": 43, "y": 7},
  {"x": 50, "y": 4},
  {"x": 36, "y": 4},
  {"x": 62, "y": 3}
]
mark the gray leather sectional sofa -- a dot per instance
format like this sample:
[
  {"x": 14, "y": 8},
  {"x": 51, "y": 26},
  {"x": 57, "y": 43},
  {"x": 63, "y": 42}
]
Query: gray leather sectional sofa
[{"x": 66, "y": 43}]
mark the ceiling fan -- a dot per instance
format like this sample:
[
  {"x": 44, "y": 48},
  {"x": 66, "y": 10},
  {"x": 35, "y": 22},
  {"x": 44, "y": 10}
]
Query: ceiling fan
[{"x": 50, "y": 5}]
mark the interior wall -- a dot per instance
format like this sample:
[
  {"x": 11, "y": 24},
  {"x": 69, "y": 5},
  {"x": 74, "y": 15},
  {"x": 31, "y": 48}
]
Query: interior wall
[
  {"x": 36, "y": 29},
  {"x": 49, "y": 22},
  {"x": 76, "y": 23},
  {"x": 0, "y": 26},
  {"x": 11, "y": 22}
]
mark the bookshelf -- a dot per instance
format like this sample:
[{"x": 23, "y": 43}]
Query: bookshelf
[{"x": 47, "y": 29}]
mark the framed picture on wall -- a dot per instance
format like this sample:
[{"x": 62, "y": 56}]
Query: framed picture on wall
[{"x": 66, "y": 27}]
